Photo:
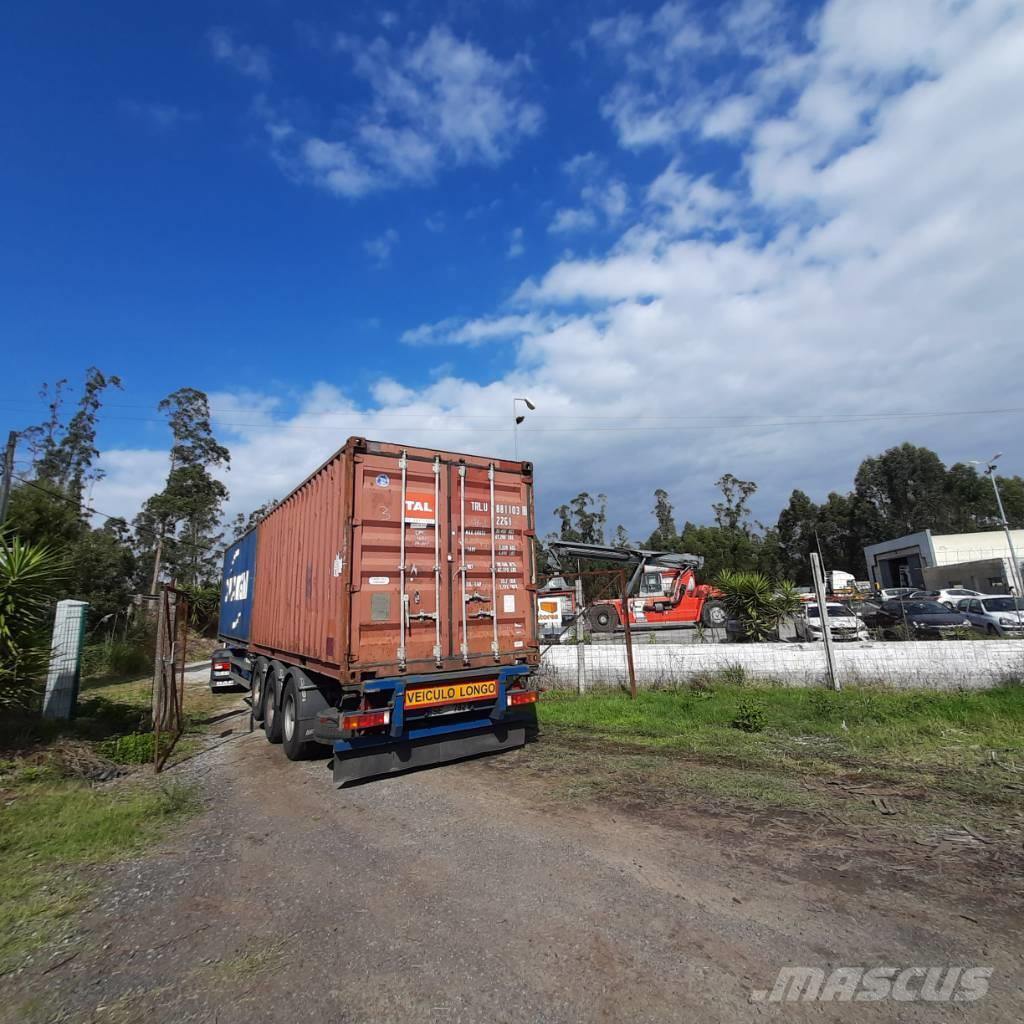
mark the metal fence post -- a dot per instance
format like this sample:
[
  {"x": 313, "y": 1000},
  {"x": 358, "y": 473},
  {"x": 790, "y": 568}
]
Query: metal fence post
[
  {"x": 581, "y": 654},
  {"x": 624, "y": 591},
  {"x": 64, "y": 673},
  {"x": 826, "y": 631}
]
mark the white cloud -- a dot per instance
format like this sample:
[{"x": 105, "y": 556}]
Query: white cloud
[
  {"x": 162, "y": 116},
  {"x": 567, "y": 220},
  {"x": 436, "y": 102},
  {"x": 435, "y": 222},
  {"x": 379, "y": 248},
  {"x": 456, "y": 331},
  {"x": 730, "y": 118},
  {"x": 661, "y": 96},
  {"x": 251, "y": 61},
  {"x": 610, "y": 200},
  {"x": 516, "y": 247},
  {"x": 863, "y": 261},
  {"x": 335, "y": 167}
]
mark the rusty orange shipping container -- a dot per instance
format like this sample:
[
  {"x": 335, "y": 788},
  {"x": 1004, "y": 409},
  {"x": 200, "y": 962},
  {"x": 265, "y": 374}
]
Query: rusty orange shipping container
[{"x": 389, "y": 572}]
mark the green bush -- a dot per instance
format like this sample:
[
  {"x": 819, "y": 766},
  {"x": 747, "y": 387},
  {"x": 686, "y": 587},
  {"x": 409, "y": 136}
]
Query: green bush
[
  {"x": 135, "y": 748},
  {"x": 29, "y": 577},
  {"x": 128, "y": 658},
  {"x": 750, "y": 716}
]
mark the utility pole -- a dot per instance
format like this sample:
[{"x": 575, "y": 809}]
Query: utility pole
[
  {"x": 1015, "y": 578},
  {"x": 826, "y": 632},
  {"x": 517, "y": 419},
  {"x": 160, "y": 540},
  {"x": 5, "y": 487},
  {"x": 1015, "y": 565}
]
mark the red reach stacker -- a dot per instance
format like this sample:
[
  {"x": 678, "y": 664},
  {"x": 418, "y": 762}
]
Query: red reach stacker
[{"x": 662, "y": 591}]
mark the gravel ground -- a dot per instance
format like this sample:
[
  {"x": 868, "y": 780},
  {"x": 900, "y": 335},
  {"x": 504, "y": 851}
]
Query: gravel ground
[{"x": 469, "y": 893}]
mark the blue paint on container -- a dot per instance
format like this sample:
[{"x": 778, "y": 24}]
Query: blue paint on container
[{"x": 237, "y": 588}]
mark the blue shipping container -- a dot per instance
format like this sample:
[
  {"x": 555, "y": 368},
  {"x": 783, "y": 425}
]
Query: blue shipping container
[{"x": 236, "y": 588}]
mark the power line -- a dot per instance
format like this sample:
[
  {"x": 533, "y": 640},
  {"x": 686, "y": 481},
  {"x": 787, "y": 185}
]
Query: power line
[{"x": 611, "y": 423}]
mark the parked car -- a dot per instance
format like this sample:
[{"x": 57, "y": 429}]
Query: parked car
[
  {"x": 949, "y": 597},
  {"x": 925, "y": 619},
  {"x": 843, "y": 624},
  {"x": 868, "y": 611},
  {"x": 891, "y": 593},
  {"x": 995, "y": 614}
]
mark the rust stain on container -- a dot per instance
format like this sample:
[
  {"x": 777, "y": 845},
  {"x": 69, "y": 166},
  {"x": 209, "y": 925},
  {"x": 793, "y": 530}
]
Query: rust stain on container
[{"x": 329, "y": 564}]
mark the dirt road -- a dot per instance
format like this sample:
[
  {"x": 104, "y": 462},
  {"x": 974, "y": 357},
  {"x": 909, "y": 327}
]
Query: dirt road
[{"x": 470, "y": 894}]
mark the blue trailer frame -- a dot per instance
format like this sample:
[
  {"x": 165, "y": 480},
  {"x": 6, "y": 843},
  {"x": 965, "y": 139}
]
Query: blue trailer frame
[{"x": 417, "y": 741}]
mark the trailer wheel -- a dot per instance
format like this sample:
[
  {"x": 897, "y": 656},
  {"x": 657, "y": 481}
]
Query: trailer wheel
[
  {"x": 259, "y": 674},
  {"x": 271, "y": 714},
  {"x": 713, "y": 614},
  {"x": 603, "y": 618},
  {"x": 295, "y": 748}
]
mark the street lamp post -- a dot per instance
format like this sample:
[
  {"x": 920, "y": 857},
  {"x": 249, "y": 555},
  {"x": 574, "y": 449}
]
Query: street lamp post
[
  {"x": 517, "y": 419},
  {"x": 990, "y": 472}
]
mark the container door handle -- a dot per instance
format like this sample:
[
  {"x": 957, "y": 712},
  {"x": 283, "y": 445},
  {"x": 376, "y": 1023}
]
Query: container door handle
[
  {"x": 462, "y": 560},
  {"x": 437, "y": 561},
  {"x": 494, "y": 571},
  {"x": 403, "y": 609}
]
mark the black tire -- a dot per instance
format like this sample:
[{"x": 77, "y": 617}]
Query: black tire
[
  {"x": 271, "y": 714},
  {"x": 295, "y": 748},
  {"x": 713, "y": 615},
  {"x": 602, "y": 618},
  {"x": 256, "y": 694}
]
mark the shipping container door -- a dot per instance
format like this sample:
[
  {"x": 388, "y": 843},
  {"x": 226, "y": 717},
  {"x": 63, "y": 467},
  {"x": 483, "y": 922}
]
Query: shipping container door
[
  {"x": 491, "y": 562},
  {"x": 399, "y": 620}
]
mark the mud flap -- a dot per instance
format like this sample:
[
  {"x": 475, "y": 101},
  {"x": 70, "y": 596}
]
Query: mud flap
[{"x": 351, "y": 765}]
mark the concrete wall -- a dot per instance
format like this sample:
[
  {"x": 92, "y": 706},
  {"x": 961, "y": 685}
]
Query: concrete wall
[
  {"x": 934, "y": 665},
  {"x": 973, "y": 575},
  {"x": 969, "y": 547}
]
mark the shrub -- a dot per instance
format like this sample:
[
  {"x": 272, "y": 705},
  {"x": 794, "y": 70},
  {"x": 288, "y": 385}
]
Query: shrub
[
  {"x": 750, "y": 715},
  {"x": 758, "y": 603},
  {"x": 29, "y": 575},
  {"x": 135, "y": 748},
  {"x": 131, "y": 657}
]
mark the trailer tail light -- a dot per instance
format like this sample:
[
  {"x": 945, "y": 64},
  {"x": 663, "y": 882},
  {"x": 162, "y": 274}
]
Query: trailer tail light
[
  {"x": 523, "y": 697},
  {"x": 365, "y": 720}
]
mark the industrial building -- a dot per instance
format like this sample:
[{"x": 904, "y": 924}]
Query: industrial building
[{"x": 978, "y": 561}]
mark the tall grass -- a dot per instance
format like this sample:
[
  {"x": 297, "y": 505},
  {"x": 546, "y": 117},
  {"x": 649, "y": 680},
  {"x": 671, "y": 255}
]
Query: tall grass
[
  {"x": 129, "y": 658},
  {"x": 50, "y": 826},
  {"x": 918, "y": 722}
]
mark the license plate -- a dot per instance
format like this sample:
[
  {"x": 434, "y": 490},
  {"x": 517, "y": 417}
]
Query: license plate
[{"x": 451, "y": 693}]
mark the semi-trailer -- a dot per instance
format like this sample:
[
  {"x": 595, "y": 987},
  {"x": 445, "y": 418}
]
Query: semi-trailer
[{"x": 385, "y": 608}]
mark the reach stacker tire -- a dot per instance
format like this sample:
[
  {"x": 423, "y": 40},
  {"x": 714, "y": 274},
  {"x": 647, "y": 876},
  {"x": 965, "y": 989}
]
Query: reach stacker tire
[{"x": 713, "y": 615}]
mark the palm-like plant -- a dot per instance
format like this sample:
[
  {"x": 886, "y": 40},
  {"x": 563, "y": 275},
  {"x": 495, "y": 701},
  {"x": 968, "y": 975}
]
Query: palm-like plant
[
  {"x": 29, "y": 575},
  {"x": 758, "y": 603}
]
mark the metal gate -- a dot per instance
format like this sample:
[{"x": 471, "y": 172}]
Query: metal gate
[{"x": 169, "y": 673}]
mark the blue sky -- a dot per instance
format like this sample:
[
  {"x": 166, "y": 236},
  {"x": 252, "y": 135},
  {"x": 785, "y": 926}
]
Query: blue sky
[{"x": 743, "y": 237}]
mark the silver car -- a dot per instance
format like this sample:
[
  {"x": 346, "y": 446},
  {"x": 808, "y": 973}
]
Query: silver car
[
  {"x": 842, "y": 623},
  {"x": 995, "y": 614}
]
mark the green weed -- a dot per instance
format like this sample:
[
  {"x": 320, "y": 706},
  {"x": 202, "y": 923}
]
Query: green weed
[{"x": 48, "y": 829}]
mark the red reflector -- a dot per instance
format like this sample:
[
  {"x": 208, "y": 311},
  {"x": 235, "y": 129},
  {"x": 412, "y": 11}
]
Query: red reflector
[
  {"x": 222, "y": 666},
  {"x": 365, "y": 719},
  {"x": 523, "y": 697}
]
